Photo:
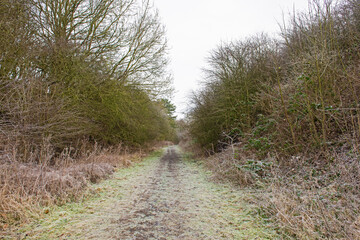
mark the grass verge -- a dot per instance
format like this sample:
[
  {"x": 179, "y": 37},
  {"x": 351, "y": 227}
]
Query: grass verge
[{"x": 29, "y": 192}]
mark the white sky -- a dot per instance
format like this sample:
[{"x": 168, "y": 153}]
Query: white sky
[{"x": 195, "y": 27}]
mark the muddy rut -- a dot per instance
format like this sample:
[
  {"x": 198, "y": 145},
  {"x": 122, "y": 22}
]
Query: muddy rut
[{"x": 159, "y": 210}]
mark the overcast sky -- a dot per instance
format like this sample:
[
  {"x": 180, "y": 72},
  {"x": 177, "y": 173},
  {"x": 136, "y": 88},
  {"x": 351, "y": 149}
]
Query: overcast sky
[{"x": 195, "y": 27}]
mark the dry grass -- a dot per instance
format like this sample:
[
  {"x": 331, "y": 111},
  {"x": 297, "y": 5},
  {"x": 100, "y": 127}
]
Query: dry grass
[
  {"x": 299, "y": 119},
  {"x": 315, "y": 201},
  {"x": 27, "y": 187},
  {"x": 230, "y": 166},
  {"x": 306, "y": 197},
  {"x": 306, "y": 115}
]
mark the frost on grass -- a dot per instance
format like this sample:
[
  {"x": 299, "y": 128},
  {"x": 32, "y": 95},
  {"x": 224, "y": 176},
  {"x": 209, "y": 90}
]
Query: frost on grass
[{"x": 160, "y": 198}]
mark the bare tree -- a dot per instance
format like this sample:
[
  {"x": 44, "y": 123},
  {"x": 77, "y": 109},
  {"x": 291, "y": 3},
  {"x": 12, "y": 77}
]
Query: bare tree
[{"x": 122, "y": 36}]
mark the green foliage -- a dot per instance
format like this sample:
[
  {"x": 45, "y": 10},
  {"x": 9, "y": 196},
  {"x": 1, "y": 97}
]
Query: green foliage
[
  {"x": 170, "y": 108},
  {"x": 261, "y": 135},
  {"x": 259, "y": 168},
  {"x": 301, "y": 91},
  {"x": 261, "y": 144},
  {"x": 74, "y": 69},
  {"x": 238, "y": 71}
]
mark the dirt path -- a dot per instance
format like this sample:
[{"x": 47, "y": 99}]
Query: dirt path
[{"x": 161, "y": 198}]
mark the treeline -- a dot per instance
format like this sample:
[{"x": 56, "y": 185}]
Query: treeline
[
  {"x": 282, "y": 117},
  {"x": 81, "y": 69},
  {"x": 299, "y": 93}
]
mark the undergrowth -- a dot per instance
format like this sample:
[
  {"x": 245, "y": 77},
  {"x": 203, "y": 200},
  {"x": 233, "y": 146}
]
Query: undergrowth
[
  {"x": 26, "y": 188},
  {"x": 316, "y": 201},
  {"x": 302, "y": 197},
  {"x": 282, "y": 115}
]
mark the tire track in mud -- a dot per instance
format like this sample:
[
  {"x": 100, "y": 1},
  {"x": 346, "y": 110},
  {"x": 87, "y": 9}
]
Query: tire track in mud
[{"x": 158, "y": 211}]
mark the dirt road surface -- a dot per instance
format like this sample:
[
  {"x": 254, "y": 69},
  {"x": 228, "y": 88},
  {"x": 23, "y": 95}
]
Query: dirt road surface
[{"x": 161, "y": 198}]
